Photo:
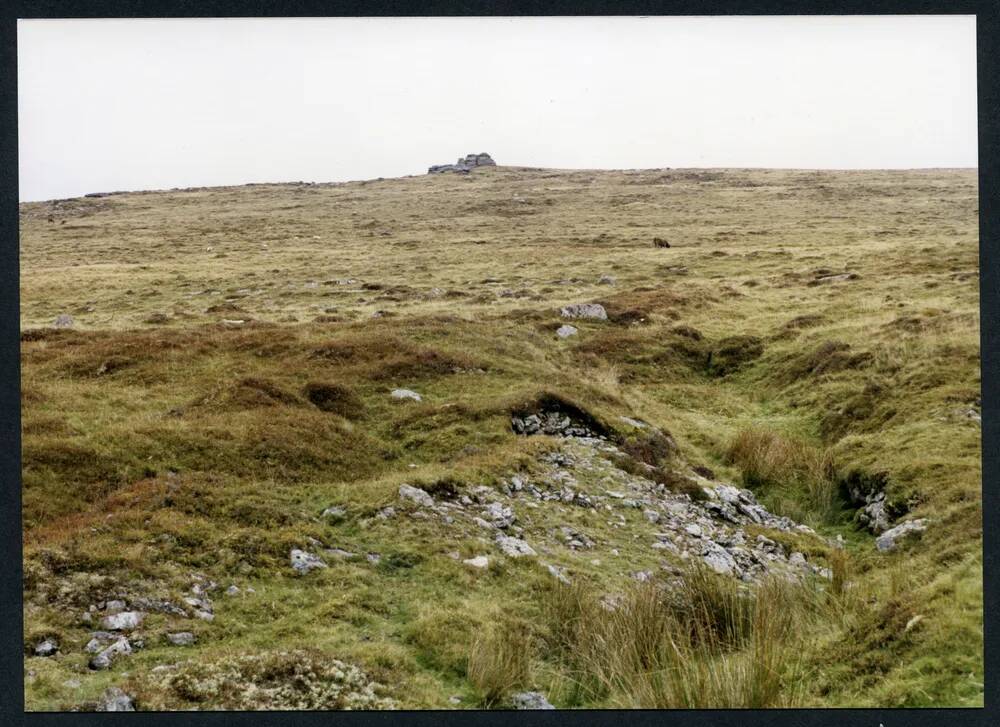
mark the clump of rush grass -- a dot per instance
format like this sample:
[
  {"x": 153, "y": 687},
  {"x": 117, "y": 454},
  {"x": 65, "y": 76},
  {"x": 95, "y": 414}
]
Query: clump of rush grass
[
  {"x": 712, "y": 643},
  {"x": 500, "y": 661},
  {"x": 795, "y": 477}
]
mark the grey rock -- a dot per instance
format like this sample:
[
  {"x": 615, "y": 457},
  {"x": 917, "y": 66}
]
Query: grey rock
[
  {"x": 606, "y": 280},
  {"x": 115, "y": 700},
  {"x": 502, "y": 516},
  {"x": 181, "y": 638},
  {"x": 558, "y": 573},
  {"x": 634, "y": 422},
  {"x": 303, "y": 562},
  {"x": 585, "y": 310},
  {"x": 385, "y": 513},
  {"x": 718, "y": 559},
  {"x": 514, "y": 547},
  {"x": 408, "y": 492},
  {"x": 651, "y": 515},
  {"x": 405, "y": 394},
  {"x": 530, "y": 700},
  {"x": 479, "y": 562},
  {"x": 797, "y": 559},
  {"x": 49, "y": 647},
  {"x": 124, "y": 621},
  {"x": 233, "y": 590},
  {"x": 334, "y": 514},
  {"x": 104, "y": 659},
  {"x": 464, "y": 164},
  {"x": 114, "y": 607},
  {"x": 890, "y": 539},
  {"x": 64, "y": 320},
  {"x": 566, "y": 331},
  {"x": 483, "y": 524}
]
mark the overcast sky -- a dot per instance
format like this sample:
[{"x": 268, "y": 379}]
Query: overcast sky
[{"x": 152, "y": 104}]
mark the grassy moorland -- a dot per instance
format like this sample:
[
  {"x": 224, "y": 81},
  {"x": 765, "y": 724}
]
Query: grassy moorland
[{"x": 227, "y": 379}]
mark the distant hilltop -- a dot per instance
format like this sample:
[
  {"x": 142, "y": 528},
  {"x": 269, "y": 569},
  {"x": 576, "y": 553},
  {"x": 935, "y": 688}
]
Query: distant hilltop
[{"x": 464, "y": 166}]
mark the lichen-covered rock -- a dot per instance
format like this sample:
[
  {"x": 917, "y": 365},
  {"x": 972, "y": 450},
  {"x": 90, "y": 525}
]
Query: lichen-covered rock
[
  {"x": 593, "y": 311},
  {"x": 303, "y": 562},
  {"x": 415, "y": 494},
  {"x": 182, "y": 638},
  {"x": 104, "y": 659},
  {"x": 115, "y": 700},
  {"x": 530, "y": 700},
  {"x": 479, "y": 562},
  {"x": 890, "y": 539},
  {"x": 501, "y": 516},
  {"x": 274, "y": 680},
  {"x": 464, "y": 164},
  {"x": 49, "y": 647},
  {"x": 124, "y": 621},
  {"x": 566, "y": 331},
  {"x": 514, "y": 547},
  {"x": 405, "y": 394}
]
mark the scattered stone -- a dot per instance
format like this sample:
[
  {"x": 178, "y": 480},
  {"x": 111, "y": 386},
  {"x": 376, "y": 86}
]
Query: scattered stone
[
  {"x": 204, "y": 615},
  {"x": 64, "y": 320},
  {"x": 49, "y": 647},
  {"x": 233, "y": 590},
  {"x": 97, "y": 641},
  {"x": 408, "y": 492},
  {"x": 405, "y": 394},
  {"x": 104, "y": 659},
  {"x": 334, "y": 514},
  {"x": 115, "y": 700},
  {"x": 303, "y": 562},
  {"x": 558, "y": 573},
  {"x": 114, "y": 607},
  {"x": 566, "y": 331},
  {"x": 385, "y": 513},
  {"x": 124, "y": 621},
  {"x": 502, "y": 516},
  {"x": 634, "y": 422},
  {"x": 606, "y": 280},
  {"x": 718, "y": 559},
  {"x": 652, "y": 516},
  {"x": 585, "y": 310},
  {"x": 514, "y": 547},
  {"x": 530, "y": 700},
  {"x": 823, "y": 279},
  {"x": 479, "y": 562},
  {"x": 182, "y": 638},
  {"x": 340, "y": 553},
  {"x": 890, "y": 539}
]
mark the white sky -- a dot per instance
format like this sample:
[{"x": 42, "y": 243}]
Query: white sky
[{"x": 150, "y": 104}]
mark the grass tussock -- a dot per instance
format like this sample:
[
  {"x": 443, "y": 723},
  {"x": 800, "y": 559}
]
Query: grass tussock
[
  {"x": 713, "y": 643},
  {"x": 500, "y": 661},
  {"x": 795, "y": 475}
]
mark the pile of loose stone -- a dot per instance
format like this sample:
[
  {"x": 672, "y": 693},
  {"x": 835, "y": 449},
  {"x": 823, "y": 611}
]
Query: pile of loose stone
[
  {"x": 582, "y": 473},
  {"x": 121, "y": 620}
]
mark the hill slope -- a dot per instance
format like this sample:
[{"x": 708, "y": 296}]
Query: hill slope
[{"x": 221, "y": 395}]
